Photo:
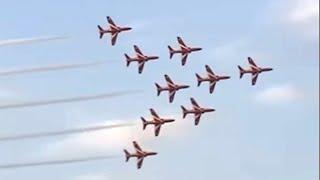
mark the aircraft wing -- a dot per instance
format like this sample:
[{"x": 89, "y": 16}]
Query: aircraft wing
[
  {"x": 169, "y": 81},
  {"x": 209, "y": 70},
  {"x": 114, "y": 37},
  {"x": 181, "y": 43},
  {"x": 111, "y": 23},
  {"x": 137, "y": 50},
  {"x": 153, "y": 113},
  {"x": 171, "y": 96},
  {"x": 137, "y": 147},
  {"x": 141, "y": 65},
  {"x": 197, "y": 119},
  {"x": 212, "y": 85},
  {"x": 251, "y": 62},
  {"x": 194, "y": 103},
  {"x": 157, "y": 129},
  {"x": 254, "y": 78},
  {"x": 184, "y": 58},
  {"x": 140, "y": 162}
]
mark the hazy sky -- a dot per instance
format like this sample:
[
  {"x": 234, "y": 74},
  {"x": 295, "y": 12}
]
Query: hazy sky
[{"x": 269, "y": 131}]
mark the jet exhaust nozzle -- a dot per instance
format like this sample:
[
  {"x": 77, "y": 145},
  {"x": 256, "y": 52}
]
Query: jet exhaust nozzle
[
  {"x": 127, "y": 155},
  {"x": 199, "y": 79},
  {"x": 159, "y": 89},
  {"x": 128, "y": 59},
  {"x": 144, "y": 123},
  {"x": 101, "y": 31},
  {"x": 171, "y": 51},
  {"x": 241, "y": 71},
  {"x": 184, "y": 112}
]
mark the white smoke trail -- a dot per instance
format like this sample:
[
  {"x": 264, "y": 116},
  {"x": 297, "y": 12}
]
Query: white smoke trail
[
  {"x": 68, "y": 100},
  {"x": 29, "y": 40},
  {"x": 64, "y": 132},
  {"x": 55, "y": 67},
  {"x": 55, "y": 162}
]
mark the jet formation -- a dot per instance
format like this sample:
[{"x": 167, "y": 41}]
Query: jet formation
[{"x": 211, "y": 77}]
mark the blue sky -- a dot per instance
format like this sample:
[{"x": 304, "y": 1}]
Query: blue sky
[{"x": 269, "y": 131}]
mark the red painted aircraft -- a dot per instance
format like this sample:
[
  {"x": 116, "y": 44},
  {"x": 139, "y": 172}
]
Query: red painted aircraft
[
  {"x": 140, "y": 154},
  {"x": 254, "y": 70},
  {"x": 114, "y": 30},
  {"x": 172, "y": 88},
  {"x": 156, "y": 121},
  {"x": 140, "y": 58},
  {"x": 212, "y": 78},
  {"x": 184, "y": 50},
  {"x": 197, "y": 111}
]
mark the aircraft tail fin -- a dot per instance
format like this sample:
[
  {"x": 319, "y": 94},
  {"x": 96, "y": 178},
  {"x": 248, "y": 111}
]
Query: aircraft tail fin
[
  {"x": 128, "y": 59},
  {"x": 128, "y": 155},
  {"x": 144, "y": 123},
  {"x": 101, "y": 33},
  {"x": 199, "y": 79},
  {"x": 241, "y": 70},
  {"x": 171, "y": 51},
  {"x": 184, "y": 111},
  {"x": 159, "y": 89}
]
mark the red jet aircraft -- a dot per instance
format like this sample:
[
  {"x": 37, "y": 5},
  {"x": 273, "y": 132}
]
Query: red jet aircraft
[
  {"x": 184, "y": 50},
  {"x": 172, "y": 88},
  {"x": 114, "y": 30},
  {"x": 140, "y": 154},
  {"x": 197, "y": 111},
  {"x": 140, "y": 58},
  {"x": 212, "y": 78},
  {"x": 156, "y": 121},
  {"x": 254, "y": 70}
]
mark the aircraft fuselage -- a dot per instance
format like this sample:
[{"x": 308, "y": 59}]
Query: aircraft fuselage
[
  {"x": 255, "y": 70},
  {"x": 215, "y": 78},
  {"x": 144, "y": 58},
  {"x": 200, "y": 110},
  {"x": 175, "y": 87}
]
